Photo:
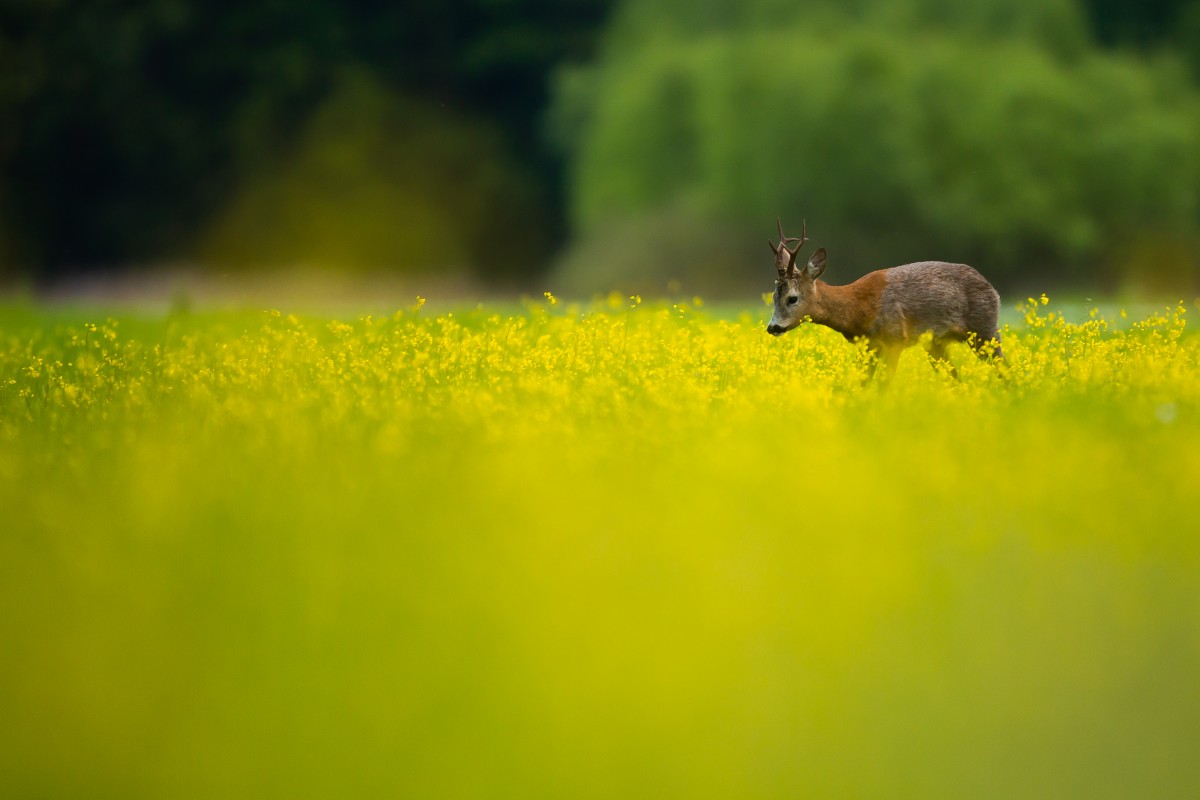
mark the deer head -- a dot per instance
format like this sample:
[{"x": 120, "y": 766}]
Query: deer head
[{"x": 794, "y": 288}]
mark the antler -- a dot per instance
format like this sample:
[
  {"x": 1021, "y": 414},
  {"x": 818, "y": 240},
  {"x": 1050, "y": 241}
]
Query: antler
[
  {"x": 779, "y": 224},
  {"x": 782, "y": 238},
  {"x": 784, "y": 241},
  {"x": 791, "y": 266}
]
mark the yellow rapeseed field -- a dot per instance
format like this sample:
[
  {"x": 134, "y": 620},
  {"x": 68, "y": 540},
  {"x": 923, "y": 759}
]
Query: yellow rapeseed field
[{"x": 618, "y": 549}]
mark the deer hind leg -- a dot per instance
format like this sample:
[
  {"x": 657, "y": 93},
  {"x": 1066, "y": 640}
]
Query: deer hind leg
[
  {"x": 937, "y": 357},
  {"x": 988, "y": 349},
  {"x": 996, "y": 353}
]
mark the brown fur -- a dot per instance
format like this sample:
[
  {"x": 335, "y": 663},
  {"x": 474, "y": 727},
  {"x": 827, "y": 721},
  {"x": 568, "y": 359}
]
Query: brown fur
[{"x": 852, "y": 309}]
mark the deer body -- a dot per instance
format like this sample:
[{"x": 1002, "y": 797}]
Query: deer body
[{"x": 889, "y": 308}]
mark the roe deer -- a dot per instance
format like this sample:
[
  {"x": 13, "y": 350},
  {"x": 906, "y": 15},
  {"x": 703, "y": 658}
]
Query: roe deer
[{"x": 889, "y": 308}]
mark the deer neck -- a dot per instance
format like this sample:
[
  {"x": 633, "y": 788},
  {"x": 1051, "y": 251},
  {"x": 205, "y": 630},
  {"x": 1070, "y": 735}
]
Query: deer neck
[{"x": 849, "y": 310}]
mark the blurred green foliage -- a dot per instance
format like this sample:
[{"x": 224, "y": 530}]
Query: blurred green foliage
[
  {"x": 1011, "y": 133},
  {"x": 128, "y": 131},
  {"x": 987, "y": 133},
  {"x": 376, "y": 181}
]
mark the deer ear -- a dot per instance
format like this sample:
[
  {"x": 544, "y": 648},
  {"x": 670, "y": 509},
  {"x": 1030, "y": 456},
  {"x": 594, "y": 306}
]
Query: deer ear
[{"x": 816, "y": 264}]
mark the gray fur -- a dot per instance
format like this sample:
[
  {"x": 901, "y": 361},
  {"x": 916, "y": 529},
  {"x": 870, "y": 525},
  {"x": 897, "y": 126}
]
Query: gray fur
[{"x": 951, "y": 301}]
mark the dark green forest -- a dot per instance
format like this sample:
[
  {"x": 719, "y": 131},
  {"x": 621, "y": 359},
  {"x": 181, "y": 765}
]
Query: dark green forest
[{"x": 615, "y": 143}]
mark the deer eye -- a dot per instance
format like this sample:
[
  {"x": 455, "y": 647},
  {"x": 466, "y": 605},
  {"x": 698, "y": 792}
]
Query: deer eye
[{"x": 793, "y": 300}]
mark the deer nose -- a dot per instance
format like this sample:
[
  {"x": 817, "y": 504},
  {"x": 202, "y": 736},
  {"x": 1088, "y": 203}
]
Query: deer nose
[{"x": 774, "y": 329}]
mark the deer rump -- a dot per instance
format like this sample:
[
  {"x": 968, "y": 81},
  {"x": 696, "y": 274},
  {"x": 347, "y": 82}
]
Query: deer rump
[{"x": 951, "y": 301}]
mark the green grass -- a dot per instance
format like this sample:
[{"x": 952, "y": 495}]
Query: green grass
[{"x": 572, "y": 551}]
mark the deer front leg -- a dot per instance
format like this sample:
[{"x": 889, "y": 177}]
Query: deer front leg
[
  {"x": 891, "y": 359},
  {"x": 885, "y": 354},
  {"x": 872, "y": 363}
]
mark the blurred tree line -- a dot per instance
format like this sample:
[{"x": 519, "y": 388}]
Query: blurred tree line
[
  {"x": 996, "y": 132},
  {"x": 260, "y": 132},
  {"x": 645, "y": 141}
]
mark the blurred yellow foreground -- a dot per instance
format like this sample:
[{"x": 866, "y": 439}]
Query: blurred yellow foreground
[{"x": 571, "y": 551}]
